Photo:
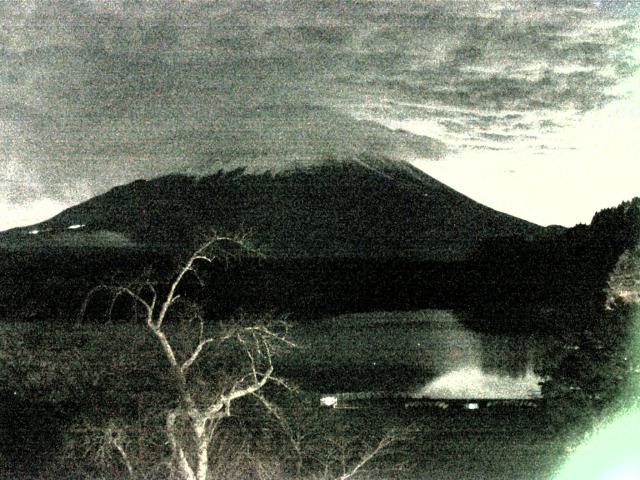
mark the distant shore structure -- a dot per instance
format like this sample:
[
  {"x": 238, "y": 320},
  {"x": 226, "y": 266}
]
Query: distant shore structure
[{"x": 361, "y": 400}]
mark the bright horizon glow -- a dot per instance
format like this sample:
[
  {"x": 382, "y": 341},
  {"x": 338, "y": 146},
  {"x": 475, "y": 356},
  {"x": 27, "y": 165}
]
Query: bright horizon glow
[
  {"x": 583, "y": 168},
  {"x": 13, "y": 216},
  {"x": 597, "y": 168}
]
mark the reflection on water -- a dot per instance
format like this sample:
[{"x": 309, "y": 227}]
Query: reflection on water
[
  {"x": 513, "y": 355},
  {"x": 473, "y": 382},
  {"x": 442, "y": 358}
]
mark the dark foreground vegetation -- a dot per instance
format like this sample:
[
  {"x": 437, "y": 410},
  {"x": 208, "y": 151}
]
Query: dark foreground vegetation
[
  {"x": 75, "y": 396},
  {"x": 71, "y": 393},
  {"x": 78, "y": 389}
]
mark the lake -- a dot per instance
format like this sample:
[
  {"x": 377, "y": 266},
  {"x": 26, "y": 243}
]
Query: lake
[{"x": 428, "y": 353}]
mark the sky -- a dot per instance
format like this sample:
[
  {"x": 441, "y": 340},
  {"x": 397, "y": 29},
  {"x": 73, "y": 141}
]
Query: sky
[{"x": 531, "y": 107}]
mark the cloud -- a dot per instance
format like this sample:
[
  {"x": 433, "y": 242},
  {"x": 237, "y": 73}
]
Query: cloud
[
  {"x": 532, "y": 61},
  {"x": 100, "y": 93}
]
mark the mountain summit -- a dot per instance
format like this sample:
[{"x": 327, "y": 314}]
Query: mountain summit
[{"x": 362, "y": 207}]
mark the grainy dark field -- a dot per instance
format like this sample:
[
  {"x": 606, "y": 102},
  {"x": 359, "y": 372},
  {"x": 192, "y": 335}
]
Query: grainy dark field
[{"x": 55, "y": 377}]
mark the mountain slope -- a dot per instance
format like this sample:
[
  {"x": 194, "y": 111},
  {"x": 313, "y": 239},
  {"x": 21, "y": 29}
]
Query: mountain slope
[{"x": 365, "y": 207}]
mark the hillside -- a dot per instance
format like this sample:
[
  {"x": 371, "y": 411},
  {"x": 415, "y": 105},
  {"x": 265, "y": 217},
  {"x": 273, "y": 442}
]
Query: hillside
[{"x": 366, "y": 207}]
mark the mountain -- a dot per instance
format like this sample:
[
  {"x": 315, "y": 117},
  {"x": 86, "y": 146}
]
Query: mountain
[{"x": 367, "y": 207}]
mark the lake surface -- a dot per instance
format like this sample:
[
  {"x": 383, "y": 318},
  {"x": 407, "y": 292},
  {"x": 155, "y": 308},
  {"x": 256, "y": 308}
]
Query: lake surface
[{"x": 429, "y": 353}]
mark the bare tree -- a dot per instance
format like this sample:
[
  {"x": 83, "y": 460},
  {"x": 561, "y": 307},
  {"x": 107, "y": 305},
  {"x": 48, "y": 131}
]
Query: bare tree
[
  {"x": 385, "y": 442},
  {"x": 190, "y": 423},
  {"x": 344, "y": 459},
  {"x": 191, "y": 420}
]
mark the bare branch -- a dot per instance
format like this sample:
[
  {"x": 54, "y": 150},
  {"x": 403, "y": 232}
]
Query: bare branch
[
  {"x": 213, "y": 427},
  {"x": 254, "y": 387},
  {"x": 138, "y": 299},
  {"x": 237, "y": 392},
  {"x": 155, "y": 295},
  {"x": 384, "y": 443},
  {"x": 201, "y": 257},
  {"x": 188, "y": 267},
  {"x": 268, "y": 349},
  {"x": 194, "y": 356},
  {"x": 284, "y": 384},
  {"x": 114, "y": 299},
  {"x": 201, "y": 321},
  {"x": 286, "y": 427},
  {"x": 251, "y": 358},
  {"x": 195, "y": 272},
  {"x": 166, "y": 346},
  {"x": 176, "y": 448},
  {"x": 87, "y": 299},
  {"x": 269, "y": 333},
  {"x": 115, "y": 441},
  {"x": 117, "y": 291}
]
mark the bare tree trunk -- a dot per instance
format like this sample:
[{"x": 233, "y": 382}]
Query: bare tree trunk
[
  {"x": 184, "y": 469},
  {"x": 202, "y": 452}
]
